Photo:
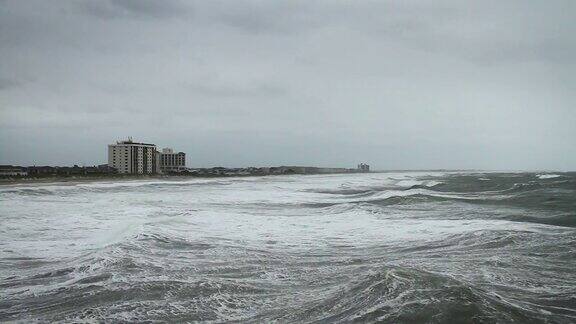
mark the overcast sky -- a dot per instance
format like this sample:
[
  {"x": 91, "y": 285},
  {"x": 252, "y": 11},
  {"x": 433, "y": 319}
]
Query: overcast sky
[{"x": 401, "y": 84}]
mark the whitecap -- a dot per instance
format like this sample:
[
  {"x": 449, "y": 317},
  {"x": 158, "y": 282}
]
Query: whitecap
[{"x": 548, "y": 176}]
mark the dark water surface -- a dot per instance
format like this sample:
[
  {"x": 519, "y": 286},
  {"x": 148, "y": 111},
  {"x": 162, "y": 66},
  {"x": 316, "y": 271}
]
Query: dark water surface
[{"x": 414, "y": 247}]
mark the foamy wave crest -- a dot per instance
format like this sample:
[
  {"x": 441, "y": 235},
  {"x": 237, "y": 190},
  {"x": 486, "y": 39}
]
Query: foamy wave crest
[{"x": 548, "y": 176}]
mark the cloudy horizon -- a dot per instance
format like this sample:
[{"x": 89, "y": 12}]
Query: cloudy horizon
[{"x": 398, "y": 84}]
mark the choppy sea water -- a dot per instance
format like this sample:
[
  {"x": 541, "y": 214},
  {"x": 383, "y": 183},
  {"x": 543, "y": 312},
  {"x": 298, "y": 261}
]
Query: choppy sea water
[{"x": 415, "y": 247}]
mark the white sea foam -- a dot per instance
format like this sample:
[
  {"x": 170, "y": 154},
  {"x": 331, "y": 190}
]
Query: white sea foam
[
  {"x": 243, "y": 209},
  {"x": 241, "y": 249},
  {"x": 548, "y": 176}
]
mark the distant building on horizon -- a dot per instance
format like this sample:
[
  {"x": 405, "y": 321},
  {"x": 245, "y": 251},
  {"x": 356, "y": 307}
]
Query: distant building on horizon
[
  {"x": 363, "y": 167},
  {"x": 172, "y": 162},
  {"x": 12, "y": 170},
  {"x": 129, "y": 157}
]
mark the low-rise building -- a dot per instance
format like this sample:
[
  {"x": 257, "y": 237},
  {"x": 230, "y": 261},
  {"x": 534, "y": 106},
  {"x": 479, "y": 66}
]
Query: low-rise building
[
  {"x": 11, "y": 170},
  {"x": 41, "y": 170},
  {"x": 105, "y": 168},
  {"x": 363, "y": 167}
]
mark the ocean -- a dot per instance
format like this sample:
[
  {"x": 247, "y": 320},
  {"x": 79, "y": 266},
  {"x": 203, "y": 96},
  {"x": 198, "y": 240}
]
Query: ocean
[{"x": 394, "y": 247}]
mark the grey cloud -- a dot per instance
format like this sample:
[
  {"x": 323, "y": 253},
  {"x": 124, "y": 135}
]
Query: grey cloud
[
  {"x": 220, "y": 91},
  {"x": 400, "y": 84},
  {"x": 268, "y": 17},
  {"x": 135, "y": 8},
  {"x": 9, "y": 84}
]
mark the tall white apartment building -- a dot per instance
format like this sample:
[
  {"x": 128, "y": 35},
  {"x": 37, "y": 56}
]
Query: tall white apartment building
[{"x": 133, "y": 158}]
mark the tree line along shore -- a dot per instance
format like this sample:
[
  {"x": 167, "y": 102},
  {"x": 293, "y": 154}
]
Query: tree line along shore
[{"x": 12, "y": 174}]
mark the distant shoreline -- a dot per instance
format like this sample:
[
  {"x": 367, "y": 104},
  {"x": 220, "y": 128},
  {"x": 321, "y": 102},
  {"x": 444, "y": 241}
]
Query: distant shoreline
[
  {"x": 130, "y": 177},
  {"x": 48, "y": 179},
  {"x": 75, "y": 178}
]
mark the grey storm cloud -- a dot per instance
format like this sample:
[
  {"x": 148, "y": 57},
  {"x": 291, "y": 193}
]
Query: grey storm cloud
[
  {"x": 134, "y": 8},
  {"x": 406, "y": 84},
  {"x": 8, "y": 83}
]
